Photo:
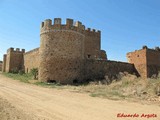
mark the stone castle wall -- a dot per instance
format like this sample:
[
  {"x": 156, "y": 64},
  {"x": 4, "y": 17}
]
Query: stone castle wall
[
  {"x": 153, "y": 62},
  {"x": 146, "y": 61},
  {"x": 92, "y": 43},
  {"x": 31, "y": 60},
  {"x": 1, "y": 65},
  {"x": 16, "y": 60},
  {"x": 100, "y": 68},
  {"x": 4, "y": 63},
  {"x": 61, "y": 51},
  {"x": 138, "y": 59},
  {"x": 13, "y": 60}
]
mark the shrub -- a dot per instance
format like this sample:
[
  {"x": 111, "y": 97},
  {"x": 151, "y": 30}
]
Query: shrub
[
  {"x": 14, "y": 71},
  {"x": 21, "y": 72},
  {"x": 157, "y": 90},
  {"x": 34, "y": 72}
]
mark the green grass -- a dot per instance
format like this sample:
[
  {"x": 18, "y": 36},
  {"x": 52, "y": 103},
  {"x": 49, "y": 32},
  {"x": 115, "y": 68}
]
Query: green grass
[
  {"x": 23, "y": 78},
  {"x": 27, "y": 77}
]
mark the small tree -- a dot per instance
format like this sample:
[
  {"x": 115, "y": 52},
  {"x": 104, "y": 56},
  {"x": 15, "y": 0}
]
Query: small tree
[{"x": 34, "y": 72}]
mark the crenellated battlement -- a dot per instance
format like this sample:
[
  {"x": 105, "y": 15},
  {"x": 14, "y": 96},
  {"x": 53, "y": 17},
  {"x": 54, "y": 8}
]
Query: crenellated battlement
[
  {"x": 16, "y": 50},
  {"x": 48, "y": 26},
  {"x": 92, "y": 32}
]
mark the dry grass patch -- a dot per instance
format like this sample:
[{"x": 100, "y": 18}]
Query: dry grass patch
[{"x": 129, "y": 87}]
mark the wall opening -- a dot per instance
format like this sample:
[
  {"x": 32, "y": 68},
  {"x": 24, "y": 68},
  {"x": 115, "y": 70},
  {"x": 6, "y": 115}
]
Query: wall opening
[
  {"x": 51, "y": 81},
  {"x": 75, "y": 81},
  {"x": 27, "y": 70},
  {"x": 88, "y": 56}
]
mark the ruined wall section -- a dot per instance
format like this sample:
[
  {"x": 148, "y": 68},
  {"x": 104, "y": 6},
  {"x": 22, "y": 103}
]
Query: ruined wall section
[
  {"x": 146, "y": 61},
  {"x": 97, "y": 69},
  {"x": 138, "y": 58},
  {"x": 31, "y": 60},
  {"x": 61, "y": 51},
  {"x": 153, "y": 61},
  {"x": 14, "y": 60}
]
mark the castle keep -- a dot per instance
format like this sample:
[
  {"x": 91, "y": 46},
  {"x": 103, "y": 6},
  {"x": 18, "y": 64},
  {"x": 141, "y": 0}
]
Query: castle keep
[
  {"x": 71, "y": 53},
  {"x": 64, "y": 48}
]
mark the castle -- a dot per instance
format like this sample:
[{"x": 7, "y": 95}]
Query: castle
[{"x": 71, "y": 53}]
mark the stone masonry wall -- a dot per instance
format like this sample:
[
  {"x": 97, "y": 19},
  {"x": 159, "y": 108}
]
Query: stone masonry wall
[
  {"x": 98, "y": 69},
  {"x": 31, "y": 60},
  {"x": 153, "y": 62},
  {"x": 14, "y": 60},
  {"x": 4, "y": 63},
  {"x": 61, "y": 51},
  {"x": 1, "y": 65},
  {"x": 146, "y": 61},
  {"x": 7, "y": 66},
  {"x": 92, "y": 43},
  {"x": 138, "y": 58}
]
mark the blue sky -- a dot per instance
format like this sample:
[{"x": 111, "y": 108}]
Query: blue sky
[{"x": 126, "y": 25}]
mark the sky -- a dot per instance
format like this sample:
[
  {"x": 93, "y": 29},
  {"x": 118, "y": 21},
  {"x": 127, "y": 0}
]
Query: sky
[{"x": 126, "y": 25}]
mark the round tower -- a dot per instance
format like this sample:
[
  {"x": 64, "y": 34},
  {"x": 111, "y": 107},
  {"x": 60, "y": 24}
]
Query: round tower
[{"x": 61, "y": 51}]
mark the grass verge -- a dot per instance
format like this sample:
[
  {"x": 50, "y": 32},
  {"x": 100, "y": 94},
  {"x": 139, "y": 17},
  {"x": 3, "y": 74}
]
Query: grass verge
[
  {"x": 27, "y": 78},
  {"x": 23, "y": 78}
]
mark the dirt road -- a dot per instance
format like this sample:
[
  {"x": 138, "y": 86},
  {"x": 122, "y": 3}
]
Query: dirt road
[{"x": 26, "y": 102}]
